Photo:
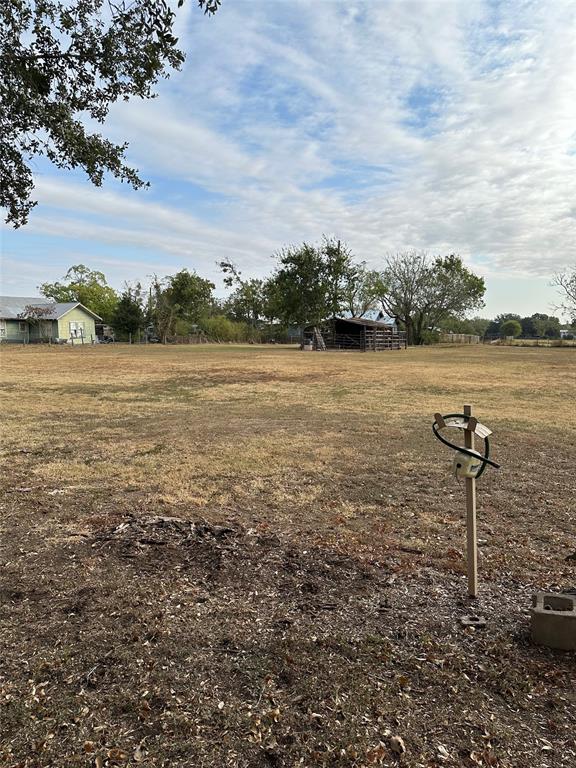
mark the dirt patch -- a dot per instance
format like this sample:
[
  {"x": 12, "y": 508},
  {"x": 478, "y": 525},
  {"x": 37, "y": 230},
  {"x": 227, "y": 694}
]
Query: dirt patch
[{"x": 176, "y": 642}]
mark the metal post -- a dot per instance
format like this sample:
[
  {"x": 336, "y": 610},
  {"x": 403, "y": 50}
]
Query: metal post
[{"x": 471, "y": 541}]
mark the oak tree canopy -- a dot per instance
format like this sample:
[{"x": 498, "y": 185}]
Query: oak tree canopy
[{"x": 63, "y": 63}]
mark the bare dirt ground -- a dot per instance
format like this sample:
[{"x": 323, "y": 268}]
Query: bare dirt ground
[{"x": 227, "y": 556}]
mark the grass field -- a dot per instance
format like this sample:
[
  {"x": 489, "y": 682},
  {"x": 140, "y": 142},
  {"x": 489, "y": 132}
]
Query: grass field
[{"x": 304, "y": 605}]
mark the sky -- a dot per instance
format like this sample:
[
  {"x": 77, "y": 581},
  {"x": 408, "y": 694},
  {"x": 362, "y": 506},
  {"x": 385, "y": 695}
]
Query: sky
[{"x": 440, "y": 125}]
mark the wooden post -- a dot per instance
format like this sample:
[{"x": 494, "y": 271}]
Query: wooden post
[{"x": 471, "y": 542}]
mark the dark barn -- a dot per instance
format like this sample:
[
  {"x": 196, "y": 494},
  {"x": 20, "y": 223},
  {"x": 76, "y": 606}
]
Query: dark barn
[{"x": 355, "y": 334}]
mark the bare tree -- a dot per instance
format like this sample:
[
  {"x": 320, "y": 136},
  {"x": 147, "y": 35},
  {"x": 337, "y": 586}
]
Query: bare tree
[
  {"x": 566, "y": 284},
  {"x": 37, "y": 315}
]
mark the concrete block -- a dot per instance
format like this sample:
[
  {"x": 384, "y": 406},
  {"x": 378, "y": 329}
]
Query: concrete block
[{"x": 553, "y": 620}]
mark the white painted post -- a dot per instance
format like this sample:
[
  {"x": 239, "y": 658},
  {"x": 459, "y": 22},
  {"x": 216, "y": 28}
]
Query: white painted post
[{"x": 471, "y": 540}]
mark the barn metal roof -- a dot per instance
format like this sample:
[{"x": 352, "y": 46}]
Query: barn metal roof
[
  {"x": 364, "y": 321},
  {"x": 371, "y": 314},
  {"x": 358, "y": 321}
]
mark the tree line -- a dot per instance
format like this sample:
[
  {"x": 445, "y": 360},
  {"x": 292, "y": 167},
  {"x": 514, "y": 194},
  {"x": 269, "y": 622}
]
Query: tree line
[
  {"x": 536, "y": 326},
  {"x": 421, "y": 294}
]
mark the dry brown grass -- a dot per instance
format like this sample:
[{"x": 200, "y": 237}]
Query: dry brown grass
[
  {"x": 305, "y": 442},
  {"x": 329, "y": 452}
]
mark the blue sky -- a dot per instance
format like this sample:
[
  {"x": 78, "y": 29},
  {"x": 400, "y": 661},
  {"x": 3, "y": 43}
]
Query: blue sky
[{"x": 391, "y": 124}]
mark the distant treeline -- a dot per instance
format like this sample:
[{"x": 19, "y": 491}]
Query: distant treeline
[
  {"x": 422, "y": 295},
  {"x": 537, "y": 326}
]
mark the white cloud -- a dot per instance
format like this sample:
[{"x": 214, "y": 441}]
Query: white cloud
[{"x": 441, "y": 125}]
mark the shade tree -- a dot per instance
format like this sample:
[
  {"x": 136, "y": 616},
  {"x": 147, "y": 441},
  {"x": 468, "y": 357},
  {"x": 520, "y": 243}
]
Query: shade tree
[
  {"x": 420, "y": 291},
  {"x": 192, "y": 295},
  {"x": 64, "y": 64},
  {"x": 310, "y": 282},
  {"x": 84, "y": 285}
]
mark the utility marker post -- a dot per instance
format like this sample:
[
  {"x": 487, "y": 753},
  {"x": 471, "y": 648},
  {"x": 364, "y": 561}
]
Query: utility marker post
[
  {"x": 471, "y": 539},
  {"x": 468, "y": 464}
]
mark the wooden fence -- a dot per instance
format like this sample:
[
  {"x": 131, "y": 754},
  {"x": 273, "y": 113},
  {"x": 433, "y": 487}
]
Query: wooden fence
[
  {"x": 377, "y": 340},
  {"x": 459, "y": 338}
]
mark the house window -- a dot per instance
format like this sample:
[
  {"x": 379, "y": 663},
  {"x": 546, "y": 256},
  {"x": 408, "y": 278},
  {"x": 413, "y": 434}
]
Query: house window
[
  {"x": 22, "y": 326},
  {"x": 76, "y": 330},
  {"x": 2, "y": 328}
]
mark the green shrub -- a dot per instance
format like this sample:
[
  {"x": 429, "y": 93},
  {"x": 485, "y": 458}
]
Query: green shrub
[
  {"x": 430, "y": 337},
  {"x": 220, "y": 328},
  {"x": 510, "y": 328},
  {"x": 182, "y": 327}
]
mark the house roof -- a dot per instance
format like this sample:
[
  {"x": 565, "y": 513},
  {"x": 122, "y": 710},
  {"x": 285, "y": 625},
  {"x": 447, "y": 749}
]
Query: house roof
[
  {"x": 62, "y": 309},
  {"x": 13, "y": 307}
]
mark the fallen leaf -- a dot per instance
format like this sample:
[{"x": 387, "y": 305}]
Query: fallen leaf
[
  {"x": 397, "y": 745},
  {"x": 376, "y": 754},
  {"x": 443, "y": 753},
  {"x": 117, "y": 755}
]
